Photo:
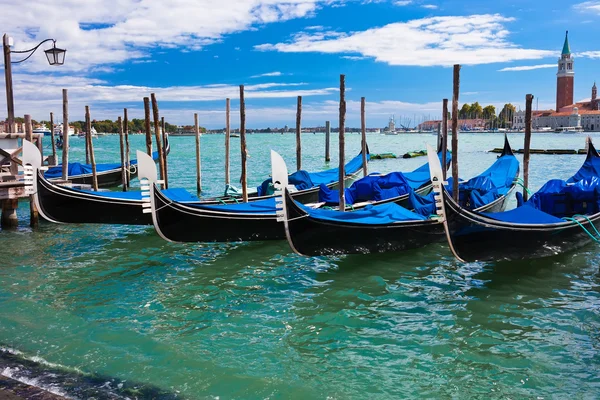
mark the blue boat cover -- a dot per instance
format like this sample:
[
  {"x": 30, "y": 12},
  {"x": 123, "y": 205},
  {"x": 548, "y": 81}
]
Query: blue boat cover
[
  {"x": 370, "y": 215},
  {"x": 305, "y": 180},
  {"x": 76, "y": 169},
  {"x": 177, "y": 194},
  {"x": 375, "y": 187},
  {"x": 266, "y": 206},
  {"x": 580, "y": 194}
]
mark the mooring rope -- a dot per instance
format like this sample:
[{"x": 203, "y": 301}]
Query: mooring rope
[{"x": 594, "y": 238}]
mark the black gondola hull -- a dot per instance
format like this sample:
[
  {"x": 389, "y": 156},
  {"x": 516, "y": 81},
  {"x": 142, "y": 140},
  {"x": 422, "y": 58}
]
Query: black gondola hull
[
  {"x": 177, "y": 222},
  {"x": 61, "y": 204},
  {"x": 476, "y": 238}
]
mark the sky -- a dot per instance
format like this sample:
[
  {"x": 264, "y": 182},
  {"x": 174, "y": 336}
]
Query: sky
[{"x": 194, "y": 54}]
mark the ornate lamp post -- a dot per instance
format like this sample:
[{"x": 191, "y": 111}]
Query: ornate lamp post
[{"x": 54, "y": 55}]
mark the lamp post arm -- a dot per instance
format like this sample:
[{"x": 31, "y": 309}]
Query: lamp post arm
[{"x": 32, "y": 50}]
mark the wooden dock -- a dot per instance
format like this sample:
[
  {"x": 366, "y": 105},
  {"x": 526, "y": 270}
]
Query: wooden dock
[{"x": 544, "y": 151}]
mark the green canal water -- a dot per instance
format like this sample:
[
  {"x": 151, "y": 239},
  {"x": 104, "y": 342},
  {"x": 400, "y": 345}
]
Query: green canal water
[{"x": 95, "y": 311}]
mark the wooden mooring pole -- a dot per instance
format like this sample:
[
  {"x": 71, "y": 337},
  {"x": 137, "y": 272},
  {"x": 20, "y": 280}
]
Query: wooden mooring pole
[
  {"x": 65, "y": 138},
  {"x": 363, "y": 132},
  {"x": 455, "y": 91},
  {"x": 342, "y": 129},
  {"x": 165, "y": 155},
  {"x": 527, "y": 145},
  {"x": 244, "y": 178},
  {"x": 33, "y": 211},
  {"x": 90, "y": 143},
  {"x": 198, "y": 159},
  {"x": 298, "y": 134},
  {"x": 227, "y": 139},
  {"x": 159, "y": 147},
  {"x": 122, "y": 146},
  {"x": 87, "y": 146},
  {"x": 127, "y": 161},
  {"x": 54, "y": 160},
  {"x": 327, "y": 142},
  {"x": 147, "y": 126},
  {"x": 444, "y": 137}
]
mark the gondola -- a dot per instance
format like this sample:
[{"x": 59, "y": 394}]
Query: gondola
[
  {"x": 178, "y": 221},
  {"x": 560, "y": 217},
  {"x": 62, "y": 204},
  {"x": 109, "y": 175},
  {"x": 386, "y": 227}
]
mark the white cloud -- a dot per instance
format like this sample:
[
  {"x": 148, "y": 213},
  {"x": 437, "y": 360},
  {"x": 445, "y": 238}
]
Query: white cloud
[
  {"x": 276, "y": 73},
  {"x": 527, "y": 67},
  {"x": 429, "y": 6},
  {"x": 587, "y": 6},
  {"x": 436, "y": 41},
  {"x": 354, "y": 58},
  {"x": 402, "y": 3},
  {"x": 589, "y": 54},
  {"x": 99, "y": 32}
]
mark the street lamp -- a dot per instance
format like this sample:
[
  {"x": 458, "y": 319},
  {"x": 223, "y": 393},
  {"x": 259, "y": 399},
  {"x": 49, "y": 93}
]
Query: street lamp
[{"x": 54, "y": 55}]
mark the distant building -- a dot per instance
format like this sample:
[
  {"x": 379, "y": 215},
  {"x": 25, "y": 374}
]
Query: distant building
[
  {"x": 583, "y": 114},
  {"x": 469, "y": 124}
]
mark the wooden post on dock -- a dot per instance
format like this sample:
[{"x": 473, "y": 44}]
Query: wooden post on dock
[
  {"x": 527, "y": 145},
  {"x": 65, "y": 138},
  {"x": 227, "y": 139},
  {"x": 54, "y": 159},
  {"x": 455, "y": 91},
  {"x": 363, "y": 131},
  {"x": 147, "y": 126},
  {"x": 298, "y": 134},
  {"x": 444, "y": 137},
  {"x": 342, "y": 129},
  {"x": 198, "y": 159},
  {"x": 122, "y": 146},
  {"x": 327, "y": 135},
  {"x": 159, "y": 147},
  {"x": 244, "y": 178},
  {"x": 165, "y": 155},
  {"x": 88, "y": 136},
  {"x": 9, "y": 213},
  {"x": 33, "y": 211},
  {"x": 127, "y": 160}
]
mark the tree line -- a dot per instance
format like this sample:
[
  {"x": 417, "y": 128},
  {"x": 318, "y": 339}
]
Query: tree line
[{"x": 474, "y": 111}]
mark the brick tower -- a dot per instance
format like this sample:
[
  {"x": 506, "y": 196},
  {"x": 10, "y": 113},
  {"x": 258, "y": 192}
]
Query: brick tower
[
  {"x": 595, "y": 99},
  {"x": 565, "y": 77}
]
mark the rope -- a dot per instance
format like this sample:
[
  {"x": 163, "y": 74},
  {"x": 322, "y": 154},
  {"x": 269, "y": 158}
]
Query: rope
[
  {"x": 597, "y": 240},
  {"x": 589, "y": 221},
  {"x": 521, "y": 183}
]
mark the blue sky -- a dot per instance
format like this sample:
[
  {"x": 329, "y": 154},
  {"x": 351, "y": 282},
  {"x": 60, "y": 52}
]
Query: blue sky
[{"x": 396, "y": 53}]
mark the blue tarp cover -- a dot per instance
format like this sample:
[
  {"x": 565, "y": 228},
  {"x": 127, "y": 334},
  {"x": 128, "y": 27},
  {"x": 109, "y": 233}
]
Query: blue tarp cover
[
  {"x": 76, "y": 169},
  {"x": 266, "y": 206},
  {"x": 375, "y": 187},
  {"x": 526, "y": 214},
  {"x": 371, "y": 215},
  {"x": 306, "y": 180},
  {"x": 177, "y": 194}
]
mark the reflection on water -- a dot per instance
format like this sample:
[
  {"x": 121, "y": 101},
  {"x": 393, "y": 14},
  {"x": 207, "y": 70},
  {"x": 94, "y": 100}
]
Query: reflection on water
[{"x": 253, "y": 320}]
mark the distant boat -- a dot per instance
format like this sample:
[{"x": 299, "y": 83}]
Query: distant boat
[
  {"x": 59, "y": 130},
  {"x": 94, "y": 133},
  {"x": 42, "y": 129},
  {"x": 569, "y": 129},
  {"x": 234, "y": 135}
]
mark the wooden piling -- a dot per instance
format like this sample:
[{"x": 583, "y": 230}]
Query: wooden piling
[
  {"x": 88, "y": 136},
  {"x": 165, "y": 155},
  {"x": 198, "y": 162},
  {"x": 342, "y": 129},
  {"x": 327, "y": 135},
  {"x": 363, "y": 131},
  {"x": 455, "y": 91},
  {"x": 9, "y": 217},
  {"x": 527, "y": 145},
  {"x": 33, "y": 211},
  {"x": 122, "y": 146},
  {"x": 127, "y": 158},
  {"x": 444, "y": 137},
  {"x": 244, "y": 178},
  {"x": 147, "y": 126},
  {"x": 87, "y": 147},
  {"x": 227, "y": 139},
  {"x": 54, "y": 159},
  {"x": 159, "y": 147},
  {"x": 298, "y": 134},
  {"x": 65, "y": 138}
]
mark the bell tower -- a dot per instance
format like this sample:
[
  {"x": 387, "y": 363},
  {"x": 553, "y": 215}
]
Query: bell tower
[
  {"x": 565, "y": 77},
  {"x": 595, "y": 100}
]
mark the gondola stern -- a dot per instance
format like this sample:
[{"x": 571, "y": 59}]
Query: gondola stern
[
  {"x": 507, "y": 150},
  {"x": 33, "y": 173},
  {"x": 591, "y": 149}
]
